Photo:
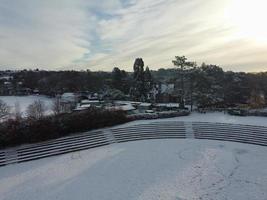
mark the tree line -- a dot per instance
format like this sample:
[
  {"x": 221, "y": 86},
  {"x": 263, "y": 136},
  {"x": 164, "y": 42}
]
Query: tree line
[
  {"x": 202, "y": 85},
  {"x": 209, "y": 85}
]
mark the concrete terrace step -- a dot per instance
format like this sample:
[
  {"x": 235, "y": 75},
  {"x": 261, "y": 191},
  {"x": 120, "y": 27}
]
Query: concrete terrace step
[
  {"x": 62, "y": 149},
  {"x": 88, "y": 139},
  {"x": 141, "y": 134},
  {"x": 232, "y": 136},
  {"x": 34, "y": 156},
  {"x": 156, "y": 130},
  {"x": 252, "y": 136},
  {"x": 228, "y": 128},
  {"x": 149, "y": 128},
  {"x": 235, "y": 140},
  {"x": 231, "y": 132},
  {"x": 232, "y": 128},
  {"x": 56, "y": 141},
  {"x": 146, "y": 138},
  {"x": 61, "y": 146},
  {"x": 78, "y": 148},
  {"x": 148, "y": 131},
  {"x": 149, "y": 135}
]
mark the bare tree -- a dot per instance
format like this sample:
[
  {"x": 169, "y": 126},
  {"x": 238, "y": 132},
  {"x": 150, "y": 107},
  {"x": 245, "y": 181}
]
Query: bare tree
[
  {"x": 17, "y": 111},
  {"x": 56, "y": 106},
  {"x": 59, "y": 107},
  {"x": 4, "y": 109},
  {"x": 36, "y": 110}
]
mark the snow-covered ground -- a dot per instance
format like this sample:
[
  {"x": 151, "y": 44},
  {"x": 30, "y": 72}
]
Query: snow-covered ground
[
  {"x": 143, "y": 170},
  {"x": 217, "y": 117},
  {"x": 176, "y": 169},
  {"x": 25, "y": 101}
]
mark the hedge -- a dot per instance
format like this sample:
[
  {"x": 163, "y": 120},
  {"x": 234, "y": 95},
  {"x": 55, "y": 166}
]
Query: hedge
[{"x": 15, "y": 132}]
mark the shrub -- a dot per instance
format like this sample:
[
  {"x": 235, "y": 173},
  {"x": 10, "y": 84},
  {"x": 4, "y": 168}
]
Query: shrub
[
  {"x": 4, "y": 109},
  {"x": 36, "y": 110},
  {"x": 14, "y": 132}
]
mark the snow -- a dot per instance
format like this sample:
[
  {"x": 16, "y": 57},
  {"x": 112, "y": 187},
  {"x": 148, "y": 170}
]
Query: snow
[
  {"x": 120, "y": 106},
  {"x": 127, "y": 102},
  {"x": 168, "y": 105},
  {"x": 6, "y": 77},
  {"x": 145, "y": 104},
  {"x": 25, "y": 101},
  {"x": 215, "y": 117},
  {"x": 86, "y": 101},
  {"x": 126, "y": 107},
  {"x": 67, "y": 95},
  {"x": 176, "y": 169},
  {"x": 85, "y": 106},
  {"x": 220, "y": 117},
  {"x": 143, "y": 170}
]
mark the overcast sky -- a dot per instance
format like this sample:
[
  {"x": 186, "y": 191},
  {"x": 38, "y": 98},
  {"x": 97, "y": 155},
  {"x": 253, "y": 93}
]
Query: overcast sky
[{"x": 102, "y": 34}]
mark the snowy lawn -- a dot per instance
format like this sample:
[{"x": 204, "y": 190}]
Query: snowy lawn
[
  {"x": 143, "y": 170},
  {"x": 25, "y": 101},
  {"x": 217, "y": 117},
  {"x": 147, "y": 170}
]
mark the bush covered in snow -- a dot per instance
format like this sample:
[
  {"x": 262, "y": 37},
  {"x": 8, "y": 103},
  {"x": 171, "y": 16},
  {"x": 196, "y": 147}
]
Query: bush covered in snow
[
  {"x": 158, "y": 115},
  {"x": 15, "y": 131}
]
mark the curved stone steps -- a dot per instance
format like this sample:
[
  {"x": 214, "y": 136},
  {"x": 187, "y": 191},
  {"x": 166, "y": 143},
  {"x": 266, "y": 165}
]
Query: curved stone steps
[
  {"x": 130, "y": 139},
  {"x": 235, "y": 140},
  {"x": 67, "y": 142},
  {"x": 249, "y": 134}
]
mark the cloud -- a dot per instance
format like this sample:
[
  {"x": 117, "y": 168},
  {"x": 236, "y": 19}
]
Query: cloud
[
  {"x": 99, "y": 35},
  {"x": 157, "y": 30},
  {"x": 43, "y": 33}
]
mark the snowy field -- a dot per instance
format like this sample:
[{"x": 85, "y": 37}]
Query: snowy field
[
  {"x": 217, "y": 117},
  {"x": 25, "y": 101},
  {"x": 143, "y": 170},
  {"x": 176, "y": 169}
]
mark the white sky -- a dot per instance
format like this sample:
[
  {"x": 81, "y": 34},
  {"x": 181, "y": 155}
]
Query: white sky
[{"x": 102, "y": 34}]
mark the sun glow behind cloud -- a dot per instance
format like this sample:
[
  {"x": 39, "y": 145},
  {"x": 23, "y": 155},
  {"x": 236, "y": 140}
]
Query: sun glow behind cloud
[
  {"x": 102, "y": 34},
  {"x": 249, "y": 18}
]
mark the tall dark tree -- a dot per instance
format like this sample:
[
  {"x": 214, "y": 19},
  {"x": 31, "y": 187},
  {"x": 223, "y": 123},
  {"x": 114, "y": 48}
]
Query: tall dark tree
[
  {"x": 191, "y": 78},
  {"x": 117, "y": 78},
  {"x": 142, "y": 81},
  {"x": 138, "y": 68},
  {"x": 184, "y": 67},
  {"x": 120, "y": 80},
  {"x": 148, "y": 81},
  {"x": 138, "y": 89},
  {"x": 210, "y": 83}
]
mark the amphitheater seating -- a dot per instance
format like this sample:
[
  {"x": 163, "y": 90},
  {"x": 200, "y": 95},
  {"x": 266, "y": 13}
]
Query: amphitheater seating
[
  {"x": 231, "y": 132},
  {"x": 156, "y": 130}
]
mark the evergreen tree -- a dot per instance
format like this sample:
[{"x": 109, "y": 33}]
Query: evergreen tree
[
  {"x": 138, "y": 89},
  {"x": 184, "y": 67},
  {"x": 120, "y": 80},
  {"x": 142, "y": 81},
  {"x": 117, "y": 78},
  {"x": 148, "y": 81}
]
